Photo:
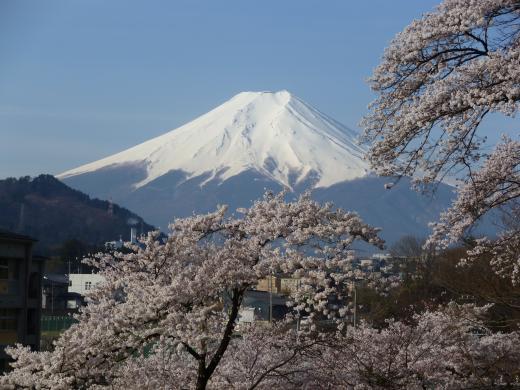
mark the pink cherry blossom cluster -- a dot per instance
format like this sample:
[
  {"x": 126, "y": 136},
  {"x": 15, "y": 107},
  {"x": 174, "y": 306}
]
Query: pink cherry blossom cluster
[
  {"x": 495, "y": 185},
  {"x": 449, "y": 348},
  {"x": 437, "y": 81},
  {"x": 165, "y": 317},
  {"x": 183, "y": 294}
]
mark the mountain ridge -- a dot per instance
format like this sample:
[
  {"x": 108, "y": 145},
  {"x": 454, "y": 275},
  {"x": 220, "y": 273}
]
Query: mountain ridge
[
  {"x": 274, "y": 133},
  {"x": 254, "y": 142},
  {"x": 51, "y": 212}
]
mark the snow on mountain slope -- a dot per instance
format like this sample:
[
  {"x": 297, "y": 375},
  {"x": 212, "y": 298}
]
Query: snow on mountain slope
[{"x": 274, "y": 133}]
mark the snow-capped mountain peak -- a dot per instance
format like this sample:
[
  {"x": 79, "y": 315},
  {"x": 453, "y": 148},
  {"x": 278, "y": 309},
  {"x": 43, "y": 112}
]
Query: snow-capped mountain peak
[{"x": 274, "y": 133}]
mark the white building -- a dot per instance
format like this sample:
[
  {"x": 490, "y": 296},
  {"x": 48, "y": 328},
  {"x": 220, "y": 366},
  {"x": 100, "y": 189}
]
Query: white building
[
  {"x": 246, "y": 315},
  {"x": 382, "y": 256},
  {"x": 114, "y": 245},
  {"x": 82, "y": 283},
  {"x": 367, "y": 263}
]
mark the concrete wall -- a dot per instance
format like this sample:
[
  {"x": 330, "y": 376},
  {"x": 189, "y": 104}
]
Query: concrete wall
[{"x": 82, "y": 283}]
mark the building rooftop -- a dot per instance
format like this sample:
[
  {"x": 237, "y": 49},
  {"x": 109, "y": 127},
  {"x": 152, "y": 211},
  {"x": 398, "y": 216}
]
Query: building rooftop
[
  {"x": 56, "y": 278},
  {"x": 8, "y": 235}
]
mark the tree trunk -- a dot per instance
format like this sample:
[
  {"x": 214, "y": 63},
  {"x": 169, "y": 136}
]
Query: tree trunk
[
  {"x": 203, "y": 372},
  {"x": 202, "y": 375}
]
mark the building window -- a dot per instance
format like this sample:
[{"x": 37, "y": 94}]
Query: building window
[
  {"x": 9, "y": 269},
  {"x": 4, "y": 269},
  {"x": 8, "y": 326},
  {"x": 8, "y": 319},
  {"x": 88, "y": 285},
  {"x": 15, "y": 270},
  {"x": 32, "y": 321},
  {"x": 34, "y": 286}
]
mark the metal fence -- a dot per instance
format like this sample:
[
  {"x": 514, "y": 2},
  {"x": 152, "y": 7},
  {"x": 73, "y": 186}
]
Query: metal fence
[{"x": 56, "y": 323}]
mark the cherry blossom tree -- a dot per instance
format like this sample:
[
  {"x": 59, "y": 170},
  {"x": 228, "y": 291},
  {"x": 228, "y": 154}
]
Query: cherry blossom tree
[
  {"x": 438, "y": 80},
  {"x": 166, "y": 316},
  {"x": 496, "y": 185},
  {"x": 267, "y": 358},
  {"x": 182, "y": 297},
  {"x": 450, "y": 348}
]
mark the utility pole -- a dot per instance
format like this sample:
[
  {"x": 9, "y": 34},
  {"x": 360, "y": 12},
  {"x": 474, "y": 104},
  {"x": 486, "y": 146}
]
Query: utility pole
[
  {"x": 355, "y": 304},
  {"x": 353, "y": 293},
  {"x": 298, "y": 319},
  {"x": 270, "y": 299},
  {"x": 52, "y": 297}
]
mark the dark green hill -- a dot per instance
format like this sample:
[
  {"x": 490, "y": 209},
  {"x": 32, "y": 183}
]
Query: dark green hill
[{"x": 50, "y": 211}]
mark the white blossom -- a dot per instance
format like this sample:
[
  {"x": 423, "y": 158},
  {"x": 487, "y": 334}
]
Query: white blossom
[
  {"x": 183, "y": 296},
  {"x": 437, "y": 81}
]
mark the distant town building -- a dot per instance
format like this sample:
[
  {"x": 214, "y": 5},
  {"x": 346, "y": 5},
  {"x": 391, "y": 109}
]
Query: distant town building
[
  {"x": 278, "y": 284},
  {"x": 246, "y": 315},
  {"x": 381, "y": 256},
  {"x": 260, "y": 305},
  {"x": 289, "y": 285},
  {"x": 56, "y": 299},
  {"x": 114, "y": 245},
  {"x": 366, "y": 262},
  {"x": 20, "y": 293},
  {"x": 83, "y": 283},
  {"x": 271, "y": 283}
]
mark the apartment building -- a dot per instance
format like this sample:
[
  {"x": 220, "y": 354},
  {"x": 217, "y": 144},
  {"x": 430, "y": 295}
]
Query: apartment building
[{"x": 20, "y": 293}]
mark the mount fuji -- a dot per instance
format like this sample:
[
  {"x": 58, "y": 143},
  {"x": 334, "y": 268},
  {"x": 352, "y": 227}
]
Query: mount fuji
[{"x": 253, "y": 142}]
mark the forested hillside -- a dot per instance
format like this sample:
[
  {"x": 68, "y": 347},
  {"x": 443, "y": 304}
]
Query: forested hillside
[{"x": 50, "y": 211}]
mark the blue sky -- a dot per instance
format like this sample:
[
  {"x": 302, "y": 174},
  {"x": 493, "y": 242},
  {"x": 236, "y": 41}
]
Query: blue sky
[{"x": 82, "y": 79}]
